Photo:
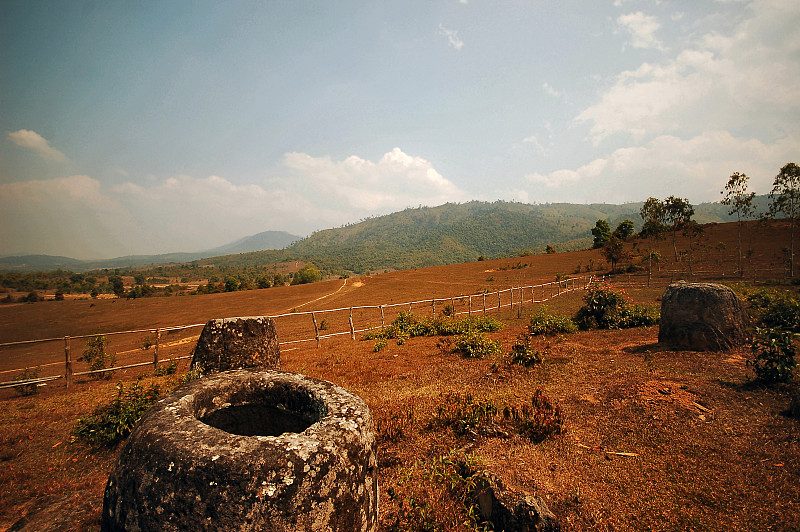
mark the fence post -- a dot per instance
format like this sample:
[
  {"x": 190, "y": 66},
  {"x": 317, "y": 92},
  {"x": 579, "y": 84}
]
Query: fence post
[
  {"x": 511, "y": 308},
  {"x": 409, "y": 307},
  {"x": 155, "y": 353},
  {"x": 433, "y": 303},
  {"x": 67, "y": 362},
  {"x": 470, "y": 306},
  {"x": 499, "y": 305},
  {"x": 484, "y": 302},
  {"x": 521, "y": 301},
  {"x": 352, "y": 329},
  {"x": 316, "y": 328},
  {"x": 383, "y": 323}
]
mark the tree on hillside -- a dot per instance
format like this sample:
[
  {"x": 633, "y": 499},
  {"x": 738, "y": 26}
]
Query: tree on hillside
[
  {"x": 601, "y": 232},
  {"x": 652, "y": 213},
  {"x": 117, "y": 285},
  {"x": 653, "y": 216},
  {"x": 785, "y": 200},
  {"x": 614, "y": 251},
  {"x": 307, "y": 274},
  {"x": 677, "y": 212},
  {"x": 692, "y": 231},
  {"x": 624, "y": 230},
  {"x": 740, "y": 202}
]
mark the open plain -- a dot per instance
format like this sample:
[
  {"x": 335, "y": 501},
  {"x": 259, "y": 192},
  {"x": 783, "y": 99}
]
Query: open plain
[{"x": 652, "y": 439}]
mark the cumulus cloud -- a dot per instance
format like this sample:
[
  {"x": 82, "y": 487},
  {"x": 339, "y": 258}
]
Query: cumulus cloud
[
  {"x": 35, "y": 142},
  {"x": 79, "y": 216},
  {"x": 731, "y": 81},
  {"x": 452, "y": 37},
  {"x": 696, "y": 168},
  {"x": 642, "y": 29},
  {"x": 396, "y": 181}
]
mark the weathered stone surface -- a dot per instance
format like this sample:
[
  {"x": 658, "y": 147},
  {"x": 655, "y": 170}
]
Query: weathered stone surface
[
  {"x": 702, "y": 317},
  {"x": 512, "y": 511},
  {"x": 176, "y": 472},
  {"x": 237, "y": 343}
]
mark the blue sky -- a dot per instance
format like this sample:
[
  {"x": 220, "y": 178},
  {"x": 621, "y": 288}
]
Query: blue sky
[{"x": 150, "y": 127}]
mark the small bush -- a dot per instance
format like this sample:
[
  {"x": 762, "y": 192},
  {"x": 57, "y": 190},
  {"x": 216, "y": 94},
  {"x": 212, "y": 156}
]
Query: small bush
[
  {"x": 192, "y": 375},
  {"x": 774, "y": 351},
  {"x": 379, "y": 345},
  {"x": 474, "y": 344},
  {"x": 523, "y": 353},
  {"x": 98, "y": 358},
  {"x": 607, "y": 307},
  {"x": 166, "y": 369},
  {"x": 112, "y": 423},
  {"x": 30, "y": 388},
  {"x": 537, "y": 421},
  {"x": 775, "y": 309},
  {"x": 546, "y": 324},
  {"x": 407, "y": 325}
]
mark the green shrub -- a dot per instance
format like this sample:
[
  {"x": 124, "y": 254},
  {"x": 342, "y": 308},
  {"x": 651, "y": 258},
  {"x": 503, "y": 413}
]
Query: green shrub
[
  {"x": 407, "y": 325},
  {"x": 111, "y": 423},
  {"x": 98, "y": 358},
  {"x": 30, "y": 388},
  {"x": 474, "y": 344},
  {"x": 607, "y": 307},
  {"x": 775, "y": 309},
  {"x": 439, "y": 494},
  {"x": 523, "y": 353},
  {"x": 546, "y": 324},
  {"x": 774, "y": 351},
  {"x": 166, "y": 369}
]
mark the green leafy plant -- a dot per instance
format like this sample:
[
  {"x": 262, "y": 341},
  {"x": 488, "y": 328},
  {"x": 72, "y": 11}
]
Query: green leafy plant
[
  {"x": 440, "y": 494},
  {"x": 379, "y": 345},
  {"x": 98, "y": 358},
  {"x": 112, "y": 423},
  {"x": 30, "y": 388},
  {"x": 543, "y": 323},
  {"x": 407, "y": 325},
  {"x": 166, "y": 369},
  {"x": 523, "y": 352},
  {"x": 774, "y": 351},
  {"x": 475, "y": 344},
  {"x": 193, "y": 374},
  {"x": 607, "y": 307}
]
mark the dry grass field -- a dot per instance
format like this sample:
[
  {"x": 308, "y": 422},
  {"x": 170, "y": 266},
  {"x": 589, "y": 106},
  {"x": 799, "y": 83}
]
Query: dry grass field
[{"x": 653, "y": 439}]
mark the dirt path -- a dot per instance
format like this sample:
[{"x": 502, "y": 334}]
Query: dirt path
[{"x": 317, "y": 299}]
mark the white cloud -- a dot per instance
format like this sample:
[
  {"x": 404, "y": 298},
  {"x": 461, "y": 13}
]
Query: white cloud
[
  {"x": 696, "y": 168},
  {"x": 33, "y": 141},
  {"x": 452, "y": 37},
  {"x": 80, "y": 217},
  {"x": 396, "y": 181},
  {"x": 642, "y": 29},
  {"x": 727, "y": 81}
]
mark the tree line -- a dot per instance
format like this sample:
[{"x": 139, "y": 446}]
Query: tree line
[{"x": 674, "y": 214}]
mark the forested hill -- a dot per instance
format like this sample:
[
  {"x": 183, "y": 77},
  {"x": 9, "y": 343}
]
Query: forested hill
[
  {"x": 413, "y": 238},
  {"x": 453, "y": 233}
]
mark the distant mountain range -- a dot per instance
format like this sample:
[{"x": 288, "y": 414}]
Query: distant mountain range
[
  {"x": 258, "y": 242},
  {"x": 412, "y": 238}
]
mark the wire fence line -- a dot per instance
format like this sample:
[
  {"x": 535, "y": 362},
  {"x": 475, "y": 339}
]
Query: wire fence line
[
  {"x": 154, "y": 346},
  {"x": 176, "y": 343}
]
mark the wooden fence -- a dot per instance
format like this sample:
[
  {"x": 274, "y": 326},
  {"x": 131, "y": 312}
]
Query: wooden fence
[{"x": 162, "y": 345}]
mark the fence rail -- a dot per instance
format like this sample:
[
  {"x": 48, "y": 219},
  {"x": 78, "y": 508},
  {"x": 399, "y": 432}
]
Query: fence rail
[{"x": 295, "y": 327}]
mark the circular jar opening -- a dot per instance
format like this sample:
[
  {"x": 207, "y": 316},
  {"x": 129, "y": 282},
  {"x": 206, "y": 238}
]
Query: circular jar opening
[
  {"x": 271, "y": 410},
  {"x": 256, "y": 420}
]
